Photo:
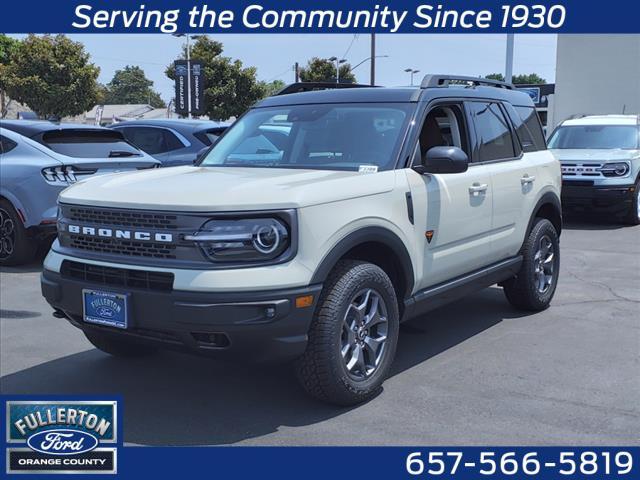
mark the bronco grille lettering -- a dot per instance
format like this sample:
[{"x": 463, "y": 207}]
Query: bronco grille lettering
[{"x": 123, "y": 234}]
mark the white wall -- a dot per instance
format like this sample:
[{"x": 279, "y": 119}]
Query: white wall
[{"x": 596, "y": 74}]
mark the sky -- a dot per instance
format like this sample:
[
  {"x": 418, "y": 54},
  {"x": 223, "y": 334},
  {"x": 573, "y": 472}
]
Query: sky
[{"x": 274, "y": 54}]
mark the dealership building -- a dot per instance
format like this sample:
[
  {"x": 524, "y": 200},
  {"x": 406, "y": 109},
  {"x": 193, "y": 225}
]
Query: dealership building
[{"x": 595, "y": 74}]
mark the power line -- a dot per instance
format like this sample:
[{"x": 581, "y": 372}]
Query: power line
[{"x": 355, "y": 37}]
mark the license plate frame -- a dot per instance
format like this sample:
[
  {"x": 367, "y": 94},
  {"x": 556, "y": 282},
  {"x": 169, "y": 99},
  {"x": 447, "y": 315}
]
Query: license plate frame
[{"x": 109, "y": 309}]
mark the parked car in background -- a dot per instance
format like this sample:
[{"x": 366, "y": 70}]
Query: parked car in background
[
  {"x": 600, "y": 156},
  {"x": 38, "y": 160},
  {"x": 173, "y": 142}
]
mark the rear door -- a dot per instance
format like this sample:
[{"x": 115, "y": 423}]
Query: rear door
[{"x": 513, "y": 174}]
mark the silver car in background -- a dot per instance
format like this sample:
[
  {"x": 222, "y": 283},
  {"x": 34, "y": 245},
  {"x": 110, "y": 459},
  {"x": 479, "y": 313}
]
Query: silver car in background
[{"x": 40, "y": 159}]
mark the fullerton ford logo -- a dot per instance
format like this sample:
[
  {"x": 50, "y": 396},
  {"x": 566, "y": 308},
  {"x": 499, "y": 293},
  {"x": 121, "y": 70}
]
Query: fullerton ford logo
[
  {"x": 62, "y": 442},
  {"x": 120, "y": 234},
  {"x": 61, "y": 436}
]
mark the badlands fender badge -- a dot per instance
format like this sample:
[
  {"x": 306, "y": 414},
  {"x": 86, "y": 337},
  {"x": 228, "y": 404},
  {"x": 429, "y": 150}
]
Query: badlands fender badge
[
  {"x": 429, "y": 235},
  {"x": 61, "y": 436}
]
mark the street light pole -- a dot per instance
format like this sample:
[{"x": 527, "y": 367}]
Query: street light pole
[
  {"x": 411, "y": 72},
  {"x": 508, "y": 68},
  {"x": 338, "y": 62},
  {"x": 372, "y": 79}
]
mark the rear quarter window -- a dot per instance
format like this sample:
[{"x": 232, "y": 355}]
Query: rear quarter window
[
  {"x": 6, "y": 145},
  {"x": 89, "y": 144},
  {"x": 528, "y": 129}
]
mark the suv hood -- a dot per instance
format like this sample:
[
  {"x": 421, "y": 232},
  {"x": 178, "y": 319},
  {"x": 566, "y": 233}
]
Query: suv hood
[
  {"x": 209, "y": 189},
  {"x": 601, "y": 155}
]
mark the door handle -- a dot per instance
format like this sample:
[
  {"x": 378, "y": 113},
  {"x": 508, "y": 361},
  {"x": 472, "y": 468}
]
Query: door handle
[
  {"x": 478, "y": 188},
  {"x": 526, "y": 179}
]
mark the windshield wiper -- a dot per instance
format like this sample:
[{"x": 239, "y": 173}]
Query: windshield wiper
[{"x": 122, "y": 153}]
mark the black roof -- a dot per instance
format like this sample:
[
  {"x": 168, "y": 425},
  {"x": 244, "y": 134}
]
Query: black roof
[
  {"x": 397, "y": 95},
  {"x": 32, "y": 128}
]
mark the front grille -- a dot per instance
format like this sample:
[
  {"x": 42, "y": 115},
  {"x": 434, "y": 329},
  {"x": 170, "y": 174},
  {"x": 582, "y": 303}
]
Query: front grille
[
  {"x": 117, "y": 277},
  {"x": 123, "y": 247},
  {"x": 581, "y": 169},
  {"x": 121, "y": 218}
]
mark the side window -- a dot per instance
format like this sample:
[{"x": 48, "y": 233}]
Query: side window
[
  {"x": 152, "y": 140},
  {"x": 443, "y": 126},
  {"x": 528, "y": 128},
  {"x": 493, "y": 134},
  {"x": 6, "y": 145}
]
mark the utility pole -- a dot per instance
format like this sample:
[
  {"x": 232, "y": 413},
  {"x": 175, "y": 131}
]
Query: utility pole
[
  {"x": 373, "y": 59},
  {"x": 296, "y": 69},
  {"x": 508, "y": 68}
]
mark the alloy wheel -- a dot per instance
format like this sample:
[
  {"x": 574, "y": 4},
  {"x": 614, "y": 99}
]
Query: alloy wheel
[
  {"x": 7, "y": 235},
  {"x": 544, "y": 265},
  {"x": 364, "y": 334}
]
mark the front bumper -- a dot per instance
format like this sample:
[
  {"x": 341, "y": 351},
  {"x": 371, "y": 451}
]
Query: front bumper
[
  {"x": 605, "y": 198},
  {"x": 249, "y": 326}
]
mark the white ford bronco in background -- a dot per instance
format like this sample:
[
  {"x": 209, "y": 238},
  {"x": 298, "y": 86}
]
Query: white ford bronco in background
[
  {"x": 322, "y": 219},
  {"x": 600, "y": 157}
]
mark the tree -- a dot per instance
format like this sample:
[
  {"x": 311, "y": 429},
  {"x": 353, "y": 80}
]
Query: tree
[
  {"x": 322, "y": 70},
  {"x": 524, "y": 79},
  {"x": 271, "y": 88},
  {"x": 8, "y": 46},
  {"x": 130, "y": 85},
  {"x": 52, "y": 75},
  {"x": 229, "y": 89}
]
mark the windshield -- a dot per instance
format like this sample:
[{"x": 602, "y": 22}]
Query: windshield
[
  {"x": 330, "y": 137},
  {"x": 596, "y": 137}
]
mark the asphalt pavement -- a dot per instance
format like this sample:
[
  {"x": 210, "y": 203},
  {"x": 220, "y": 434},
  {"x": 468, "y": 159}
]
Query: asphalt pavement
[{"x": 476, "y": 372}]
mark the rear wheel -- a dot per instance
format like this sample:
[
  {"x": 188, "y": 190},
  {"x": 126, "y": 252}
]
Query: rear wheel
[
  {"x": 535, "y": 284},
  {"x": 633, "y": 217},
  {"x": 16, "y": 247},
  {"x": 353, "y": 337},
  {"x": 116, "y": 346}
]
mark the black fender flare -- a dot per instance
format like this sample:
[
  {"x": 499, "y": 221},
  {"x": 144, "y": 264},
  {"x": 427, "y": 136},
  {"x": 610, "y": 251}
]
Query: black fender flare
[
  {"x": 547, "y": 198},
  {"x": 380, "y": 235}
]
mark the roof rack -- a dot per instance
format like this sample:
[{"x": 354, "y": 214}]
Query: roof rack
[
  {"x": 440, "y": 81},
  {"x": 311, "y": 86}
]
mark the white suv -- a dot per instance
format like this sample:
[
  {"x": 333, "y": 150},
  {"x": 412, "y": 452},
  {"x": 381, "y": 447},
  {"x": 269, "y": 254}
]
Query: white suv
[
  {"x": 600, "y": 156},
  {"x": 314, "y": 226}
]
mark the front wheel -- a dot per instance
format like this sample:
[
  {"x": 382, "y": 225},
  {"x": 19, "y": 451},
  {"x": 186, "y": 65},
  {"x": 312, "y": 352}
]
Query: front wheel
[
  {"x": 633, "y": 216},
  {"x": 353, "y": 336},
  {"x": 535, "y": 284}
]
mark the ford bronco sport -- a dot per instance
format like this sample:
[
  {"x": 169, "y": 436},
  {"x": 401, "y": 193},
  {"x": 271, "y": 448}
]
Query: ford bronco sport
[
  {"x": 600, "y": 158},
  {"x": 315, "y": 225}
]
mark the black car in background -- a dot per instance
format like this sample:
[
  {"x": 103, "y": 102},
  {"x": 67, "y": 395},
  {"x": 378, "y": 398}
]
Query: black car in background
[{"x": 172, "y": 141}]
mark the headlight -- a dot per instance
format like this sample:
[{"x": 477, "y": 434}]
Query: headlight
[
  {"x": 243, "y": 240},
  {"x": 619, "y": 169}
]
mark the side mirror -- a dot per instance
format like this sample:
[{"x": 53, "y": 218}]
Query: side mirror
[{"x": 444, "y": 160}]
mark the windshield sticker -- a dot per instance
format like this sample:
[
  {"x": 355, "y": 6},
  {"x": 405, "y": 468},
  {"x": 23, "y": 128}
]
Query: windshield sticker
[{"x": 368, "y": 168}]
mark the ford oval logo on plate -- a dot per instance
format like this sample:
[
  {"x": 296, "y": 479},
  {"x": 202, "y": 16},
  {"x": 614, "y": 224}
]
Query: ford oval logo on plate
[{"x": 62, "y": 442}]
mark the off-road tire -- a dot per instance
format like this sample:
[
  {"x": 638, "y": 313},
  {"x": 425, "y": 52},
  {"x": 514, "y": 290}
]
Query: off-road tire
[
  {"x": 23, "y": 247},
  {"x": 116, "y": 346},
  {"x": 522, "y": 291},
  {"x": 321, "y": 370}
]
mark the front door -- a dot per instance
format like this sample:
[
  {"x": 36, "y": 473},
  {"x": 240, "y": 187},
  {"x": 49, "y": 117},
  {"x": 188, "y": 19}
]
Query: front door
[{"x": 453, "y": 212}]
